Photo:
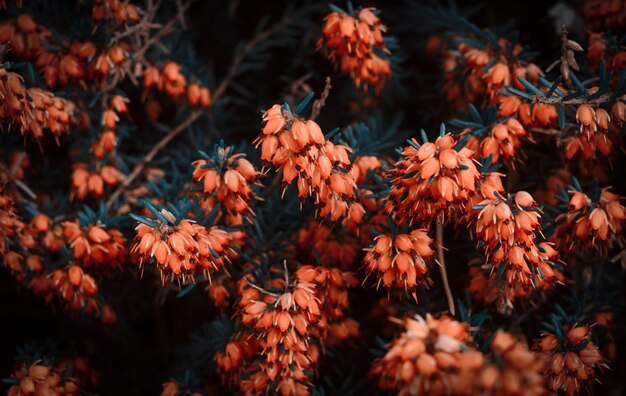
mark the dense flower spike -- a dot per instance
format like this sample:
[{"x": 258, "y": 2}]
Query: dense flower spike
[
  {"x": 510, "y": 369},
  {"x": 71, "y": 287},
  {"x": 507, "y": 227},
  {"x": 34, "y": 110},
  {"x": 95, "y": 245},
  {"x": 331, "y": 289},
  {"x": 431, "y": 180},
  {"x": 592, "y": 221},
  {"x": 400, "y": 260},
  {"x": 171, "y": 81},
  {"x": 283, "y": 324},
  {"x": 598, "y": 132},
  {"x": 43, "y": 379},
  {"x": 115, "y": 10},
  {"x": 180, "y": 248},
  {"x": 426, "y": 357},
  {"x": 575, "y": 359},
  {"x": 319, "y": 167},
  {"x": 227, "y": 177},
  {"x": 319, "y": 240},
  {"x": 355, "y": 44},
  {"x": 85, "y": 182}
]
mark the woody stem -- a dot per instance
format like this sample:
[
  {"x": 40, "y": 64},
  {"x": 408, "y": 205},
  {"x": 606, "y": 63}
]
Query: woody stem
[{"x": 442, "y": 267}]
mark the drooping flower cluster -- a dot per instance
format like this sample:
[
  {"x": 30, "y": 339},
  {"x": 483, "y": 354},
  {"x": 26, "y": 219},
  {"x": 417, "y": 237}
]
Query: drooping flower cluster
[
  {"x": 58, "y": 60},
  {"x": 502, "y": 143},
  {"x": 355, "y": 44},
  {"x": 331, "y": 289},
  {"x": 604, "y": 14},
  {"x": 71, "y": 287},
  {"x": 598, "y": 133},
  {"x": 591, "y": 221},
  {"x": 107, "y": 141},
  {"x": 96, "y": 246},
  {"x": 319, "y": 167},
  {"x": 116, "y": 10},
  {"x": 400, "y": 260},
  {"x": 510, "y": 369},
  {"x": 477, "y": 72},
  {"x": 575, "y": 360},
  {"x": 507, "y": 227},
  {"x": 180, "y": 248},
  {"x": 40, "y": 378},
  {"x": 283, "y": 323},
  {"x": 427, "y": 358},
  {"x": 34, "y": 110},
  {"x": 171, "y": 81},
  {"x": 92, "y": 183},
  {"x": 227, "y": 179},
  {"x": 10, "y": 223},
  {"x": 319, "y": 240},
  {"x": 432, "y": 179}
]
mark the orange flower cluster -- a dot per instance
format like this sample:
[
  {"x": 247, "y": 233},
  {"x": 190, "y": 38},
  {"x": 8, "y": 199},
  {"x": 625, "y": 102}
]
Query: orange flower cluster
[
  {"x": 10, "y": 223},
  {"x": 85, "y": 182},
  {"x": 507, "y": 228},
  {"x": 484, "y": 72},
  {"x": 375, "y": 217},
  {"x": 171, "y": 81},
  {"x": 598, "y": 131},
  {"x": 601, "y": 14},
  {"x": 34, "y": 109},
  {"x": 400, "y": 260},
  {"x": 68, "y": 61},
  {"x": 283, "y": 324},
  {"x": 25, "y": 35},
  {"x": 116, "y": 10},
  {"x": 588, "y": 223},
  {"x": 426, "y": 358},
  {"x": 94, "y": 246},
  {"x": 107, "y": 142},
  {"x": 331, "y": 289},
  {"x": 502, "y": 144},
  {"x": 320, "y": 167},
  {"x": 356, "y": 45},
  {"x": 600, "y": 48},
  {"x": 320, "y": 240},
  {"x": 72, "y": 288},
  {"x": 490, "y": 290},
  {"x": 512, "y": 370},
  {"x": 180, "y": 249},
  {"x": 574, "y": 359},
  {"x": 227, "y": 178},
  {"x": 41, "y": 379},
  {"x": 431, "y": 180}
]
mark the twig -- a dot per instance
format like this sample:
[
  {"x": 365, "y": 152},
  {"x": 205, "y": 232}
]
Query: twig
[
  {"x": 196, "y": 114},
  {"x": 252, "y": 285},
  {"x": 442, "y": 267},
  {"x": 260, "y": 37},
  {"x": 575, "y": 101},
  {"x": 150, "y": 156},
  {"x": 319, "y": 103}
]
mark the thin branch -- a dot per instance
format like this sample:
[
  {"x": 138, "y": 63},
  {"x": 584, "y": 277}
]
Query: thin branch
[
  {"x": 442, "y": 267},
  {"x": 575, "y": 101},
  {"x": 151, "y": 154},
  {"x": 258, "y": 38},
  {"x": 319, "y": 103}
]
